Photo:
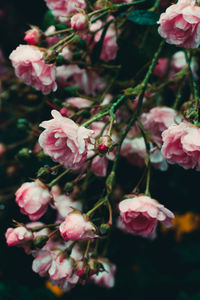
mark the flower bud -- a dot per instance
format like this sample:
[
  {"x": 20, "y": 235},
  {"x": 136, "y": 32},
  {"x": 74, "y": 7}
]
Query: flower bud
[
  {"x": 33, "y": 36},
  {"x": 104, "y": 228},
  {"x": 103, "y": 144},
  {"x": 40, "y": 241},
  {"x": 79, "y": 22},
  {"x": 50, "y": 55},
  {"x": 68, "y": 188}
]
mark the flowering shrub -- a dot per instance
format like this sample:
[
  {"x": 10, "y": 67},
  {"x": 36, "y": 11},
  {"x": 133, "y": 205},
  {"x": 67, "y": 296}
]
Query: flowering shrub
[{"x": 81, "y": 111}]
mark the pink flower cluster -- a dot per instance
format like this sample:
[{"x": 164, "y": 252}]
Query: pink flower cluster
[
  {"x": 139, "y": 215},
  {"x": 30, "y": 66},
  {"x": 180, "y": 24}
]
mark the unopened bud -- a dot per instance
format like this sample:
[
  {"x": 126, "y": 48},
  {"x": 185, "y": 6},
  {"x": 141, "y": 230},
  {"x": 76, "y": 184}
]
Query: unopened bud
[
  {"x": 50, "y": 56},
  {"x": 103, "y": 144},
  {"x": 33, "y": 36},
  {"x": 79, "y": 21},
  {"x": 68, "y": 188},
  {"x": 104, "y": 228},
  {"x": 40, "y": 241}
]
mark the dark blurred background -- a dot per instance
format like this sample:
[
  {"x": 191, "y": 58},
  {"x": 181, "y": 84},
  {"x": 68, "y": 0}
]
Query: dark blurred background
[{"x": 167, "y": 268}]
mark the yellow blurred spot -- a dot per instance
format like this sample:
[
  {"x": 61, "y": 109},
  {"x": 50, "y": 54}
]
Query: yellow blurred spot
[
  {"x": 54, "y": 289},
  {"x": 185, "y": 223}
]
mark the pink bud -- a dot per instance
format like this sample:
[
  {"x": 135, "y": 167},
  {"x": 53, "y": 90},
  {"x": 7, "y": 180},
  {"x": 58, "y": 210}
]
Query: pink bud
[
  {"x": 33, "y": 36},
  {"x": 79, "y": 22}
]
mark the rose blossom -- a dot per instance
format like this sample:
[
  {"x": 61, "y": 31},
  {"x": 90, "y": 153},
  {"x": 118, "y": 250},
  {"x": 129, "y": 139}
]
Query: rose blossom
[
  {"x": 180, "y": 24},
  {"x": 181, "y": 145},
  {"x": 140, "y": 214},
  {"x": 30, "y": 66},
  {"x": 110, "y": 47},
  {"x": 33, "y": 199},
  {"x": 73, "y": 76},
  {"x": 77, "y": 227},
  {"x": 63, "y": 203},
  {"x": 157, "y": 120},
  {"x": 79, "y": 22},
  {"x": 64, "y": 8},
  {"x": 64, "y": 141},
  {"x": 105, "y": 278},
  {"x": 18, "y": 236},
  {"x": 134, "y": 150}
]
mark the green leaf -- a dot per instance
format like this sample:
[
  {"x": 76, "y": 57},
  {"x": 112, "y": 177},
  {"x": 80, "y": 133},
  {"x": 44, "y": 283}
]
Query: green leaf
[
  {"x": 49, "y": 19},
  {"x": 144, "y": 17}
]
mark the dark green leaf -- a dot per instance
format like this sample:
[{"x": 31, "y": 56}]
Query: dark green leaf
[{"x": 144, "y": 17}]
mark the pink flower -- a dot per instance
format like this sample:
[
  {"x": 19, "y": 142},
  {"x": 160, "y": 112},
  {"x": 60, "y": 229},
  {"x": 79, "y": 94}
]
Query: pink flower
[
  {"x": 51, "y": 40},
  {"x": 134, "y": 150},
  {"x": 33, "y": 199},
  {"x": 18, "y": 236},
  {"x": 33, "y": 35},
  {"x": 64, "y": 8},
  {"x": 77, "y": 227},
  {"x": 64, "y": 204},
  {"x": 160, "y": 69},
  {"x": 79, "y": 22},
  {"x": 157, "y": 120},
  {"x": 178, "y": 63},
  {"x": 181, "y": 145},
  {"x": 180, "y": 24},
  {"x": 73, "y": 76},
  {"x": 66, "y": 53},
  {"x": 79, "y": 102},
  {"x": 99, "y": 166},
  {"x": 105, "y": 278},
  {"x": 110, "y": 47},
  {"x": 30, "y": 66},
  {"x": 42, "y": 262},
  {"x": 64, "y": 141},
  {"x": 140, "y": 214}
]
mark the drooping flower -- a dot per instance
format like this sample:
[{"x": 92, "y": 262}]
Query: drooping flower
[
  {"x": 33, "y": 199},
  {"x": 181, "y": 145},
  {"x": 30, "y": 66},
  {"x": 77, "y": 227},
  {"x": 105, "y": 278},
  {"x": 180, "y": 24},
  {"x": 64, "y": 141},
  {"x": 140, "y": 215}
]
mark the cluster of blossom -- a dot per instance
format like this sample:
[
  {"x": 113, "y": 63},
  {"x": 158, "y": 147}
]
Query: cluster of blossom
[{"x": 66, "y": 251}]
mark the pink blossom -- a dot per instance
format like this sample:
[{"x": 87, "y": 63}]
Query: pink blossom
[
  {"x": 77, "y": 227},
  {"x": 178, "y": 63},
  {"x": 66, "y": 53},
  {"x": 99, "y": 166},
  {"x": 33, "y": 199},
  {"x": 33, "y": 35},
  {"x": 73, "y": 76},
  {"x": 42, "y": 262},
  {"x": 160, "y": 69},
  {"x": 18, "y": 236},
  {"x": 180, "y": 24},
  {"x": 140, "y": 214},
  {"x": 79, "y": 102},
  {"x": 105, "y": 278},
  {"x": 79, "y": 22},
  {"x": 51, "y": 40},
  {"x": 157, "y": 120},
  {"x": 110, "y": 47},
  {"x": 64, "y": 8},
  {"x": 134, "y": 150},
  {"x": 64, "y": 141},
  {"x": 64, "y": 204},
  {"x": 30, "y": 66},
  {"x": 181, "y": 145}
]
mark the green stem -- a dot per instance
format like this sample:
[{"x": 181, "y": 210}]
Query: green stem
[
  {"x": 53, "y": 182},
  {"x": 194, "y": 85},
  {"x": 155, "y": 5},
  {"x": 100, "y": 16},
  {"x": 58, "y": 32},
  {"x": 61, "y": 42}
]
